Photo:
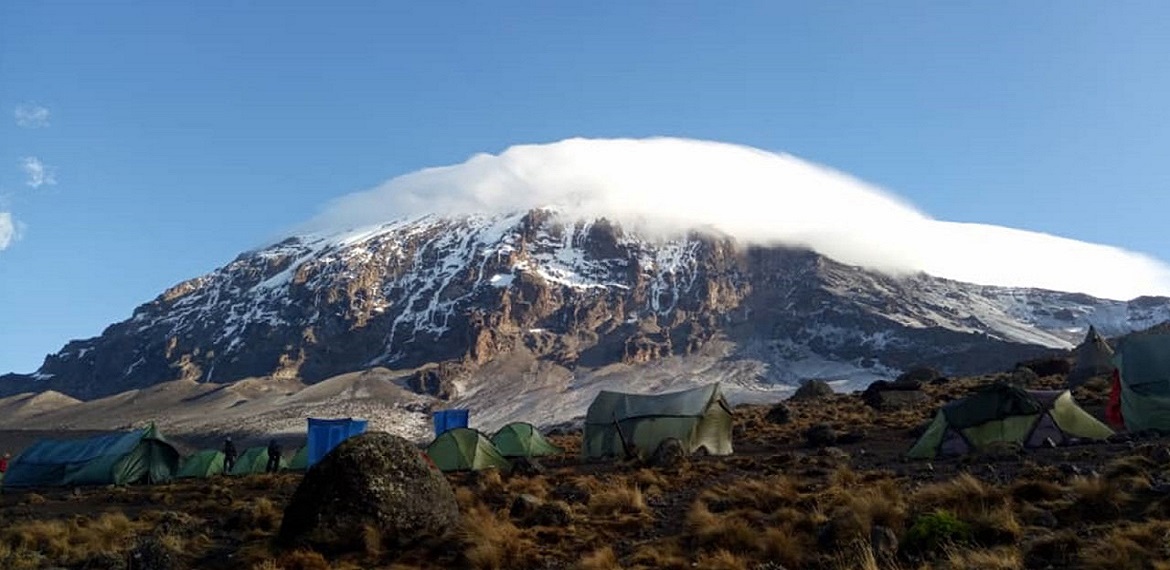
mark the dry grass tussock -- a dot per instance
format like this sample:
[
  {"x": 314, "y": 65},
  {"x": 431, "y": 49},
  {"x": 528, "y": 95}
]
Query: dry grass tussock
[
  {"x": 707, "y": 530},
  {"x": 67, "y": 542},
  {"x": 1131, "y": 545},
  {"x": 1098, "y": 498},
  {"x": 721, "y": 560},
  {"x": 990, "y": 559},
  {"x": 492, "y": 542},
  {"x": 622, "y": 498},
  {"x": 766, "y": 494},
  {"x": 600, "y": 559}
]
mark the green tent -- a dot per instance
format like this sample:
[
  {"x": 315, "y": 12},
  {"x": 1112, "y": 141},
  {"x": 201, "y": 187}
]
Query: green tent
[
  {"x": 201, "y": 465},
  {"x": 254, "y": 460},
  {"x": 1003, "y": 413},
  {"x": 700, "y": 418},
  {"x": 465, "y": 449},
  {"x": 519, "y": 439},
  {"x": 1143, "y": 363},
  {"x": 1094, "y": 358},
  {"x": 300, "y": 459},
  {"x": 139, "y": 456}
]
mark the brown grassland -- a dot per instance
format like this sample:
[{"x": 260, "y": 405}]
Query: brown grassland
[{"x": 775, "y": 504}]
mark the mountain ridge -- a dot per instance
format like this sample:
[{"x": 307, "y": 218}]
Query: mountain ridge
[{"x": 452, "y": 294}]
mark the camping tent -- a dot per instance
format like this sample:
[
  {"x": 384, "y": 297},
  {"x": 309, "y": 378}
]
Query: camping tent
[
  {"x": 201, "y": 465},
  {"x": 464, "y": 449},
  {"x": 519, "y": 439},
  {"x": 700, "y": 418},
  {"x": 139, "y": 456},
  {"x": 1094, "y": 358},
  {"x": 254, "y": 460},
  {"x": 300, "y": 459},
  {"x": 324, "y": 435},
  {"x": 449, "y": 419},
  {"x": 1003, "y": 413},
  {"x": 1143, "y": 363}
]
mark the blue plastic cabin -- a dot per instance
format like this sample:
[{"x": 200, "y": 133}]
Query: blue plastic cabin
[
  {"x": 324, "y": 435},
  {"x": 449, "y": 419}
]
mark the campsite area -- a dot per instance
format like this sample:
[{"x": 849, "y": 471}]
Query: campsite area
[{"x": 820, "y": 483}]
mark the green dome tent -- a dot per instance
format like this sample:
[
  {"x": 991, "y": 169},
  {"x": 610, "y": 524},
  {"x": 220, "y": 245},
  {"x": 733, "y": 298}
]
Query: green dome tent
[
  {"x": 519, "y": 439},
  {"x": 201, "y": 465},
  {"x": 465, "y": 449},
  {"x": 1003, "y": 413},
  {"x": 300, "y": 460},
  {"x": 139, "y": 456},
  {"x": 700, "y": 418},
  {"x": 1143, "y": 364},
  {"x": 254, "y": 460}
]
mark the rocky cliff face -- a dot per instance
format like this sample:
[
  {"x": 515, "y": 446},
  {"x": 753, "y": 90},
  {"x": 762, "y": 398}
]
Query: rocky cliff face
[{"x": 464, "y": 291}]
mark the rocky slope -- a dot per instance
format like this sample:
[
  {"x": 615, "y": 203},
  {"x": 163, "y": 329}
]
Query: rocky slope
[{"x": 462, "y": 292}]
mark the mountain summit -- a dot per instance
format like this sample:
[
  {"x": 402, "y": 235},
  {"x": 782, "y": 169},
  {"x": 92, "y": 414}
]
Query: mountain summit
[{"x": 449, "y": 295}]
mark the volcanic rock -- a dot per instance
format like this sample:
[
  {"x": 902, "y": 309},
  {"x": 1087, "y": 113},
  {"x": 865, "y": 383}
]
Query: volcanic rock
[
  {"x": 373, "y": 480},
  {"x": 812, "y": 390}
]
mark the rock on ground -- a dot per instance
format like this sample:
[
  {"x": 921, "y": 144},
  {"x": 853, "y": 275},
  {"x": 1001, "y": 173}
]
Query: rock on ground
[
  {"x": 670, "y": 454},
  {"x": 813, "y": 390},
  {"x": 1023, "y": 377},
  {"x": 375, "y": 480},
  {"x": 920, "y": 374},
  {"x": 890, "y": 400},
  {"x": 780, "y": 414},
  {"x": 1052, "y": 366},
  {"x": 821, "y": 435}
]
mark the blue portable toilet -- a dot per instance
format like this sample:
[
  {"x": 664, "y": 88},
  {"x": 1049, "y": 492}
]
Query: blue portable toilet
[
  {"x": 449, "y": 419},
  {"x": 324, "y": 435}
]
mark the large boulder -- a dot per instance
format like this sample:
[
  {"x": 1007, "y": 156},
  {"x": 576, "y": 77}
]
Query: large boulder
[
  {"x": 375, "y": 480},
  {"x": 813, "y": 390}
]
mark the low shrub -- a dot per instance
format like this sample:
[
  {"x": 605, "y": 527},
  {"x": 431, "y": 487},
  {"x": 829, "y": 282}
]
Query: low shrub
[{"x": 931, "y": 532}]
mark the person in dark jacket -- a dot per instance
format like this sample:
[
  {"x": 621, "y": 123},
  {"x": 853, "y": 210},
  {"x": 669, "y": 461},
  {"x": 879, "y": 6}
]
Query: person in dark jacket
[
  {"x": 273, "y": 457},
  {"x": 229, "y": 454}
]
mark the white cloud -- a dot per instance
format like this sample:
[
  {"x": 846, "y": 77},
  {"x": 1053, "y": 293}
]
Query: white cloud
[
  {"x": 31, "y": 116},
  {"x": 37, "y": 173},
  {"x": 7, "y": 230},
  {"x": 669, "y": 185}
]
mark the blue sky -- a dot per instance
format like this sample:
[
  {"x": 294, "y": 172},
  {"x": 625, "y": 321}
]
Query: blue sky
[{"x": 175, "y": 135}]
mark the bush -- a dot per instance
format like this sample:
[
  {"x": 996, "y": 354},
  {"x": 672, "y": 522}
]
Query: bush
[{"x": 932, "y": 531}]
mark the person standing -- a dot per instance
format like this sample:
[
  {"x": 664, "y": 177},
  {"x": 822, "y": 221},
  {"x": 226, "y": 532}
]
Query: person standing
[
  {"x": 229, "y": 454},
  {"x": 273, "y": 457}
]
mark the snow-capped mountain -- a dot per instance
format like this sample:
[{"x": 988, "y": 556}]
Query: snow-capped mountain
[{"x": 465, "y": 291}]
